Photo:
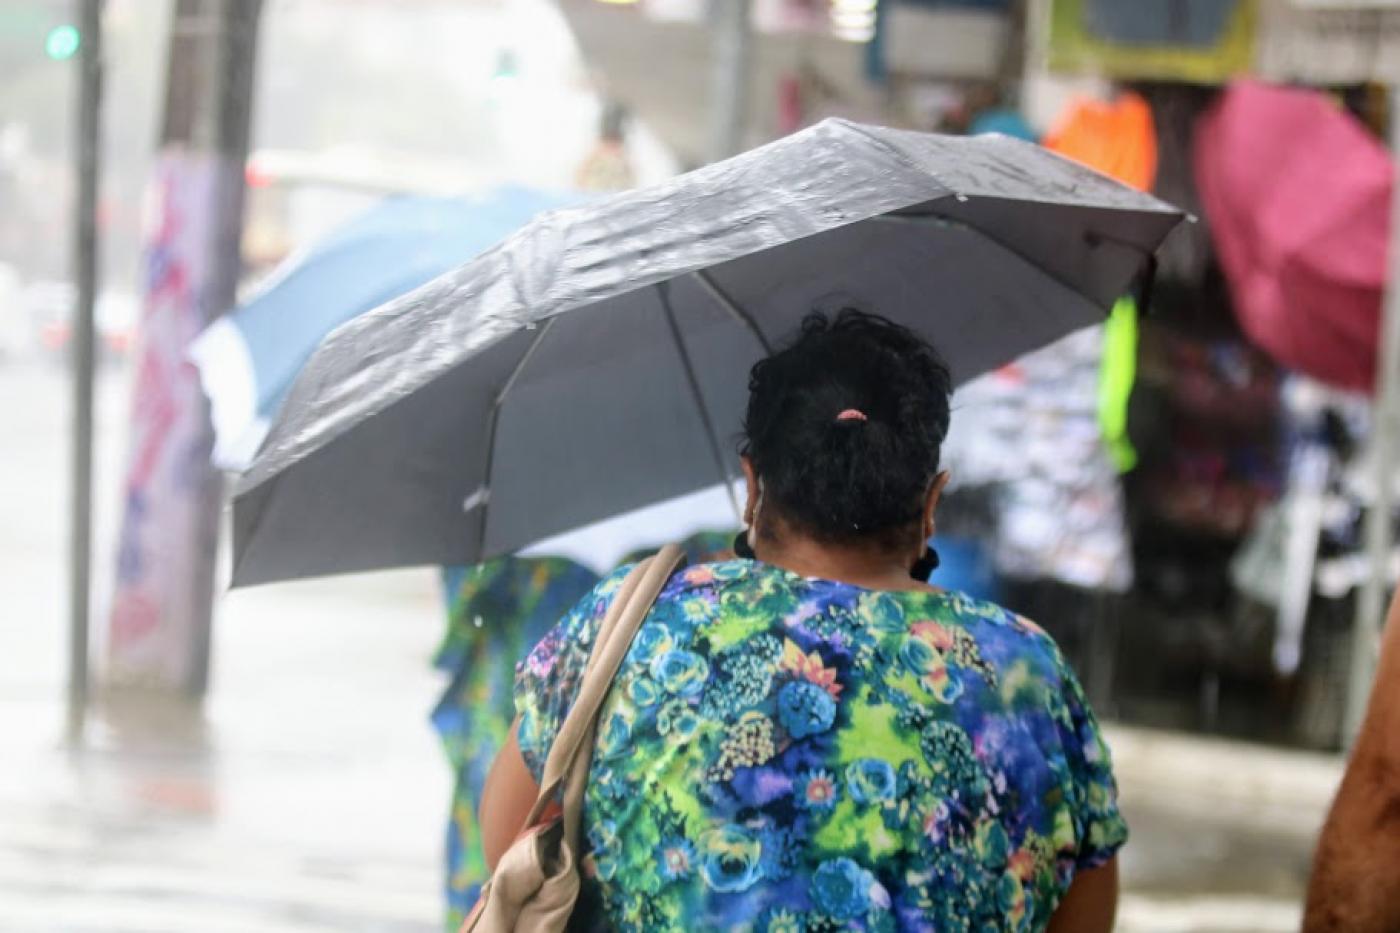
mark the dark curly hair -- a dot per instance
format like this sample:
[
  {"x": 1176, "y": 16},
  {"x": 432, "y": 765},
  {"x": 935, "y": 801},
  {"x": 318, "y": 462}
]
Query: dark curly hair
[{"x": 847, "y": 481}]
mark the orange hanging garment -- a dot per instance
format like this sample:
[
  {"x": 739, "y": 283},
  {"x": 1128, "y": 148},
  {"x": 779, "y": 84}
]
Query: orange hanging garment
[{"x": 1115, "y": 137}]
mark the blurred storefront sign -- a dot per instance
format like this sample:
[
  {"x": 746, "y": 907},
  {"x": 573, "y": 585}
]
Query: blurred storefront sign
[
  {"x": 771, "y": 16},
  {"x": 1201, "y": 41},
  {"x": 1330, "y": 41},
  {"x": 789, "y": 16},
  {"x": 811, "y": 60},
  {"x": 1347, "y": 4},
  {"x": 657, "y": 66},
  {"x": 675, "y": 11},
  {"x": 944, "y": 41},
  {"x": 1212, "y": 41}
]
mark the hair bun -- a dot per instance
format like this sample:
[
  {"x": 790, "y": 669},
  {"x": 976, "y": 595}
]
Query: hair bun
[{"x": 822, "y": 474}]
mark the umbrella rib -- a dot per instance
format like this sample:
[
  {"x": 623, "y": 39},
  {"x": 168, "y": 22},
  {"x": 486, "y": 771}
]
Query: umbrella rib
[
  {"x": 663, "y": 289},
  {"x": 728, "y": 304},
  {"x": 483, "y": 496},
  {"x": 1094, "y": 239}
]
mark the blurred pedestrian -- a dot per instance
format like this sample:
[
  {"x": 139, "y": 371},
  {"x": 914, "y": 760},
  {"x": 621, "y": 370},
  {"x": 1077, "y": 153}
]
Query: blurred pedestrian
[
  {"x": 496, "y": 611},
  {"x": 810, "y": 737},
  {"x": 1355, "y": 884},
  {"x": 607, "y": 166}
]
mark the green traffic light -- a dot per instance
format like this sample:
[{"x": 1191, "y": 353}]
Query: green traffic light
[{"x": 63, "y": 42}]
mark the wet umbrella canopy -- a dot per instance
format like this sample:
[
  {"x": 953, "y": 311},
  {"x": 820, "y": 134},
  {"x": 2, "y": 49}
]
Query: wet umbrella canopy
[
  {"x": 597, "y": 360},
  {"x": 249, "y": 358}
]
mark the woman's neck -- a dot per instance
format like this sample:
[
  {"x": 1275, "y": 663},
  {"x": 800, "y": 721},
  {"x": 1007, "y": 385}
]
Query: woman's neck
[{"x": 871, "y": 569}]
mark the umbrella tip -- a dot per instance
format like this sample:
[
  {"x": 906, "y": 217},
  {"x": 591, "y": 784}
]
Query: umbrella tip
[{"x": 1192, "y": 219}]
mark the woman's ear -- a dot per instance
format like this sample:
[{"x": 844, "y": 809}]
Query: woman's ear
[
  {"x": 935, "y": 492},
  {"x": 750, "y": 490}
]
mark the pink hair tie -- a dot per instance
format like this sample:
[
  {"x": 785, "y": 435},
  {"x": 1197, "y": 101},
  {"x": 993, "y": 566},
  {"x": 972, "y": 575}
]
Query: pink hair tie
[{"x": 852, "y": 414}]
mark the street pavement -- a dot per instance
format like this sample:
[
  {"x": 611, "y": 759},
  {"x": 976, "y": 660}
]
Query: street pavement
[{"x": 310, "y": 794}]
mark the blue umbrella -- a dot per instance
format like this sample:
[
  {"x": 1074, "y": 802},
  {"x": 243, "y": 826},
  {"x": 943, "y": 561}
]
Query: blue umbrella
[{"x": 249, "y": 358}]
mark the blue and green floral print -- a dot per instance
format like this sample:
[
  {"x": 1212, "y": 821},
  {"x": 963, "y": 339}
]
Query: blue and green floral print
[{"x": 787, "y": 754}]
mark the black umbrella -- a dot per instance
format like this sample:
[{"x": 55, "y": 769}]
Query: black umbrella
[{"x": 597, "y": 360}]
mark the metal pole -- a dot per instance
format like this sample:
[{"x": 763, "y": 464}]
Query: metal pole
[
  {"x": 1370, "y": 602},
  {"x": 85, "y": 274},
  {"x": 204, "y": 142},
  {"x": 729, "y": 87},
  {"x": 232, "y": 111},
  {"x": 1011, "y": 71}
]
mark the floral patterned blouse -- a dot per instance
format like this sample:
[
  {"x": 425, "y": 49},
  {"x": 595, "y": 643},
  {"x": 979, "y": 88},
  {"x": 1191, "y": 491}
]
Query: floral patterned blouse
[{"x": 787, "y": 754}]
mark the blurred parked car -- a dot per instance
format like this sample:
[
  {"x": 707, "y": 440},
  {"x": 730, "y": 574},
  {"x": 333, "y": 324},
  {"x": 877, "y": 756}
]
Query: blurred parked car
[{"x": 51, "y": 306}]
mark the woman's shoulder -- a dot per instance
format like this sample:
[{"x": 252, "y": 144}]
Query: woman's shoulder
[
  {"x": 1005, "y": 633},
  {"x": 974, "y": 610}
]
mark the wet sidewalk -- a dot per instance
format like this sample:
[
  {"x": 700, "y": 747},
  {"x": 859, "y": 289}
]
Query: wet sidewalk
[
  {"x": 311, "y": 796},
  {"x": 1222, "y": 832}
]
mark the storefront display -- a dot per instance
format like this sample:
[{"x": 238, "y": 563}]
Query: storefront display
[{"x": 1203, "y": 41}]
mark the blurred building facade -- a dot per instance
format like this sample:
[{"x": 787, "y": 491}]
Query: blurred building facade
[{"x": 1206, "y": 440}]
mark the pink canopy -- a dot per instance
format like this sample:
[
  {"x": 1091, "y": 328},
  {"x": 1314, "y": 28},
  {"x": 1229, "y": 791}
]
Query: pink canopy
[{"x": 1297, "y": 193}]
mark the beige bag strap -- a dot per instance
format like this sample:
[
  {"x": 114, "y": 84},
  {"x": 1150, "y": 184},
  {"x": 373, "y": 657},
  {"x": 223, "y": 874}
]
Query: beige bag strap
[{"x": 565, "y": 766}]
